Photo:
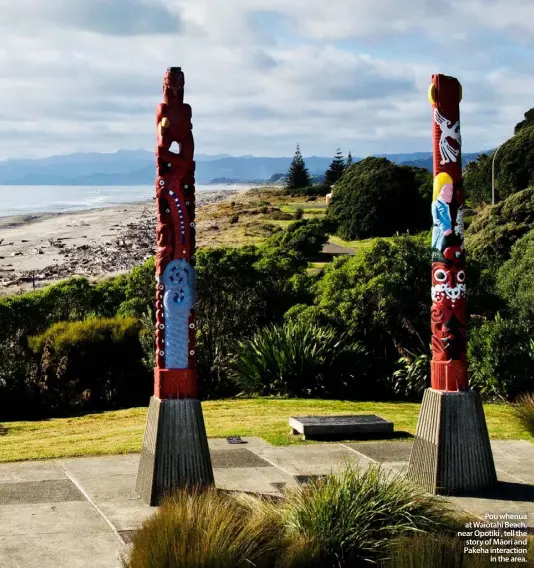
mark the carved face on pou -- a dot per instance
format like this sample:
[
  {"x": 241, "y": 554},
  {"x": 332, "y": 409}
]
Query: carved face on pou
[
  {"x": 448, "y": 282},
  {"x": 173, "y": 86}
]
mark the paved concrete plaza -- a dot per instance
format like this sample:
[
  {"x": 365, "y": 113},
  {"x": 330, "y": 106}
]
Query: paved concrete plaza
[{"x": 80, "y": 512}]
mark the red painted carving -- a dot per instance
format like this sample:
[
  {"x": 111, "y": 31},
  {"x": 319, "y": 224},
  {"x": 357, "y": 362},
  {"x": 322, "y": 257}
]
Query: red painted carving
[
  {"x": 448, "y": 315},
  {"x": 175, "y": 233}
]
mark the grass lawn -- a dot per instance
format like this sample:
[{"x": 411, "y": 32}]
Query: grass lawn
[
  {"x": 121, "y": 431},
  {"x": 361, "y": 245}
]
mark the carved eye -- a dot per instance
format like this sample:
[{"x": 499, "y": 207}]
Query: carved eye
[
  {"x": 460, "y": 276},
  {"x": 440, "y": 275}
]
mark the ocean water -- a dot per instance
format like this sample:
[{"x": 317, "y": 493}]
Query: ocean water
[{"x": 23, "y": 200}]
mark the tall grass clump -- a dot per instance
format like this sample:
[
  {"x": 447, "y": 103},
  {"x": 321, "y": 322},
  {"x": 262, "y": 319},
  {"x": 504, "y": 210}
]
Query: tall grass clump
[
  {"x": 293, "y": 359},
  {"x": 206, "y": 529},
  {"x": 524, "y": 411},
  {"x": 351, "y": 516}
]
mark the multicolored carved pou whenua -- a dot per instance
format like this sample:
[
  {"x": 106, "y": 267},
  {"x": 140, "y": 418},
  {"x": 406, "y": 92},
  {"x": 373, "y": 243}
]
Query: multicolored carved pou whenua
[
  {"x": 175, "y": 372},
  {"x": 449, "y": 343}
]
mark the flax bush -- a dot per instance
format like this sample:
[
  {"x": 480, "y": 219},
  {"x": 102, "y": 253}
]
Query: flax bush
[{"x": 296, "y": 359}]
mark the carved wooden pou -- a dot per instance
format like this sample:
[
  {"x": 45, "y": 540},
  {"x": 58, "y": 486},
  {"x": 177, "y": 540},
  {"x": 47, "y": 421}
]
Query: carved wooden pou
[
  {"x": 448, "y": 315},
  {"x": 175, "y": 372}
]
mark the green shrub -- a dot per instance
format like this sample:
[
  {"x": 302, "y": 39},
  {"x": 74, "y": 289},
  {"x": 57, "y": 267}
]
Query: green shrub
[
  {"x": 514, "y": 278},
  {"x": 477, "y": 181},
  {"x": 108, "y": 295},
  {"x": 299, "y": 213},
  {"x": 95, "y": 363},
  {"x": 501, "y": 358},
  {"x": 524, "y": 410},
  {"x": 377, "y": 198},
  {"x": 240, "y": 291},
  {"x": 493, "y": 232},
  {"x": 147, "y": 338},
  {"x": 19, "y": 385},
  {"x": 514, "y": 164},
  {"x": 351, "y": 516},
  {"x": 206, "y": 529},
  {"x": 141, "y": 286},
  {"x": 304, "y": 237},
  {"x": 294, "y": 359},
  {"x": 34, "y": 311},
  {"x": 380, "y": 297}
]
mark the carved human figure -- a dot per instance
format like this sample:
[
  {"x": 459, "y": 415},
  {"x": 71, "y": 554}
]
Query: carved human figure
[
  {"x": 175, "y": 372},
  {"x": 441, "y": 214}
]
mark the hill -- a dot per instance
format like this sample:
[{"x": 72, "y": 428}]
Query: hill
[{"x": 136, "y": 167}]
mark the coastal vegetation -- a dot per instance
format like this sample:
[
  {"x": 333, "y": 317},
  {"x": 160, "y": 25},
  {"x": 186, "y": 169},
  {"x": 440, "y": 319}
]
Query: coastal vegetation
[
  {"x": 252, "y": 300},
  {"x": 277, "y": 315}
]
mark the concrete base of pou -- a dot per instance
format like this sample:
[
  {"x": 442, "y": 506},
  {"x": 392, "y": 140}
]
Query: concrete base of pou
[
  {"x": 451, "y": 454},
  {"x": 175, "y": 449}
]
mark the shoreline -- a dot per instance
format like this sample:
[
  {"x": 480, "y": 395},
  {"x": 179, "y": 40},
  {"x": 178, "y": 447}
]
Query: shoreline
[{"x": 42, "y": 248}]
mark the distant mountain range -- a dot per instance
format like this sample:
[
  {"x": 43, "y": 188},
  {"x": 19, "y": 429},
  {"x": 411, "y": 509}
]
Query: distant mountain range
[{"x": 137, "y": 167}]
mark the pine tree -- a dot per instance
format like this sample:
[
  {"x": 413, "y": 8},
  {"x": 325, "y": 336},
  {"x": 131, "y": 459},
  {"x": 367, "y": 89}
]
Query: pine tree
[
  {"x": 349, "y": 160},
  {"x": 336, "y": 169},
  {"x": 298, "y": 175}
]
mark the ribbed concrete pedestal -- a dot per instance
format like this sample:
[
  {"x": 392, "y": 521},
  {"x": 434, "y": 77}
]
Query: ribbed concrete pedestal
[
  {"x": 451, "y": 454},
  {"x": 175, "y": 449}
]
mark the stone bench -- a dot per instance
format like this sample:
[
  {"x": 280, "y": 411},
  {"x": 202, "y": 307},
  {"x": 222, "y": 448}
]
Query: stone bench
[{"x": 353, "y": 424}]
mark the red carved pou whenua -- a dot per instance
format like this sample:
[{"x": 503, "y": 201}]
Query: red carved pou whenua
[
  {"x": 448, "y": 316},
  {"x": 175, "y": 372}
]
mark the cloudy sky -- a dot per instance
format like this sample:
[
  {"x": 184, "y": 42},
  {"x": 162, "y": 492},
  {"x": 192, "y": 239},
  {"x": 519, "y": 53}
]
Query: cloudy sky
[{"x": 261, "y": 75}]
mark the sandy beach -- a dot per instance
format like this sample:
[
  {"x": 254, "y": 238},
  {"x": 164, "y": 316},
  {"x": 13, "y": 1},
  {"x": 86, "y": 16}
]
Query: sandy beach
[{"x": 39, "y": 249}]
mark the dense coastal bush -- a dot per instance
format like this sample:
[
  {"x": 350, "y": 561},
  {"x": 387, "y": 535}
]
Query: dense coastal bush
[
  {"x": 515, "y": 282},
  {"x": 494, "y": 231},
  {"x": 379, "y": 298},
  {"x": 501, "y": 358},
  {"x": 377, "y": 198},
  {"x": 95, "y": 363}
]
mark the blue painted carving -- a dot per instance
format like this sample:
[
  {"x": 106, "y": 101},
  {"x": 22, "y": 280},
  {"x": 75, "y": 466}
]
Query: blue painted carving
[{"x": 178, "y": 299}]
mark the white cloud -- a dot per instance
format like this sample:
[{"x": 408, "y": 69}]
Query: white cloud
[{"x": 261, "y": 75}]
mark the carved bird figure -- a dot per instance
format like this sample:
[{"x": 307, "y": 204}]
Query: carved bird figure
[{"x": 448, "y": 130}]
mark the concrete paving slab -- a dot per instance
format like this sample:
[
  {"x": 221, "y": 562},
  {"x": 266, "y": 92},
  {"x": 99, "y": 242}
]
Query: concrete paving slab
[
  {"x": 110, "y": 487},
  {"x": 515, "y": 457},
  {"x": 126, "y": 514},
  {"x": 51, "y": 518},
  {"x": 48, "y": 491},
  {"x": 252, "y": 479},
  {"x": 384, "y": 451},
  {"x": 30, "y": 471},
  {"x": 60, "y": 551},
  {"x": 102, "y": 465},
  {"x": 314, "y": 459},
  {"x": 236, "y": 458}
]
